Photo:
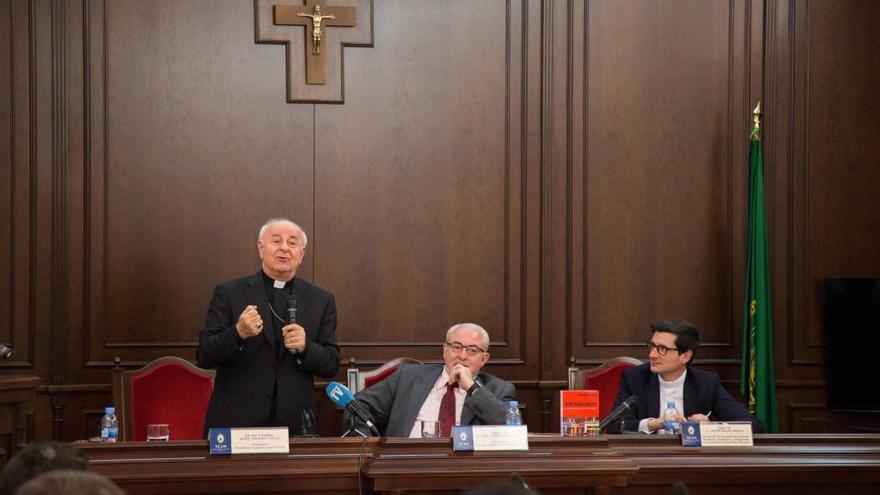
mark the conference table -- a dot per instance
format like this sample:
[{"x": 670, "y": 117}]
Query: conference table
[{"x": 614, "y": 464}]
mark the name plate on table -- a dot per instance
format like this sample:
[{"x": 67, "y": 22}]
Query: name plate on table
[
  {"x": 273, "y": 440},
  {"x": 485, "y": 438},
  {"x": 717, "y": 434}
]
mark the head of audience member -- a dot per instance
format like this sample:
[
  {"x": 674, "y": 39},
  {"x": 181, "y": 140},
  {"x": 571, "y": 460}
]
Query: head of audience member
[
  {"x": 282, "y": 246},
  {"x": 38, "y": 458},
  {"x": 69, "y": 482},
  {"x": 466, "y": 344},
  {"x": 512, "y": 487},
  {"x": 672, "y": 346}
]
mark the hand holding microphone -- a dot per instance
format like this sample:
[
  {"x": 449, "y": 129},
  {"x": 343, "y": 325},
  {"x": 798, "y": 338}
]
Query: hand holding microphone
[
  {"x": 294, "y": 338},
  {"x": 294, "y": 335}
]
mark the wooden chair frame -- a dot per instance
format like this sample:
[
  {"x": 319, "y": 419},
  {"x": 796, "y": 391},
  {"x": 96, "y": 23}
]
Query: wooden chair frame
[
  {"x": 577, "y": 377},
  {"x": 357, "y": 378},
  {"x": 122, "y": 388}
]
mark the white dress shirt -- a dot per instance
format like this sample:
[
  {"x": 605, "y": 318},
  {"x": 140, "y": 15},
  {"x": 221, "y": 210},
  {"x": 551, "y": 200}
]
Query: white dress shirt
[
  {"x": 430, "y": 410},
  {"x": 669, "y": 391}
]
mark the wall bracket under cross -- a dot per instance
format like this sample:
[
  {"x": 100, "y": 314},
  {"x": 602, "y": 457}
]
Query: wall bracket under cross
[{"x": 315, "y": 33}]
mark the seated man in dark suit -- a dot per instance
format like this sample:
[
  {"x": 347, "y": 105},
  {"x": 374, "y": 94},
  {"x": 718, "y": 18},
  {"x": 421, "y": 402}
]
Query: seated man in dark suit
[
  {"x": 668, "y": 376},
  {"x": 454, "y": 393}
]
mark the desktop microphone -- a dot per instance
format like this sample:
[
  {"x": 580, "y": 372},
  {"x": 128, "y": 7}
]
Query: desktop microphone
[
  {"x": 342, "y": 398},
  {"x": 618, "y": 412},
  {"x": 5, "y": 352}
]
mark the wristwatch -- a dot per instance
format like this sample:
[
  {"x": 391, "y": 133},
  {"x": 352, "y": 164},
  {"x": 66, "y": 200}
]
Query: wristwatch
[{"x": 473, "y": 388}]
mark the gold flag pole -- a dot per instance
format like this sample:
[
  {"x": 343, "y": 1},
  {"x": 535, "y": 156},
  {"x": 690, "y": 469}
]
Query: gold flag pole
[{"x": 756, "y": 132}]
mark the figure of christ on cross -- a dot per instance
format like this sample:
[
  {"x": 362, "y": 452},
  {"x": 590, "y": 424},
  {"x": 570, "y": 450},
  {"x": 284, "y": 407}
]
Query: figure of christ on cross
[
  {"x": 316, "y": 27},
  {"x": 290, "y": 15}
]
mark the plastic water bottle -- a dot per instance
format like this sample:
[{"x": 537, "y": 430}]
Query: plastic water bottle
[
  {"x": 109, "y": 425},
  {"x": 513, "y": 416},
  {"x": 670, "y": 418}
]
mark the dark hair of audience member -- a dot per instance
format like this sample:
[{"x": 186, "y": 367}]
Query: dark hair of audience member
[
  {"x": 38, "y": 458},
  {"x": 507, "y": 488},
  {"x": 69, "y": 482}
]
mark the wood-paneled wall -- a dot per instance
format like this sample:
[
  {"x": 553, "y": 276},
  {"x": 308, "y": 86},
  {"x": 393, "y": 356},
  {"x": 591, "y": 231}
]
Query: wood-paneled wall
[{"x": 561, "y": 172}]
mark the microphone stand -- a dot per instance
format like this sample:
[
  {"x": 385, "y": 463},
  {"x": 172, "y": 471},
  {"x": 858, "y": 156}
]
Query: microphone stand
[{"x": 354, "y": 432}]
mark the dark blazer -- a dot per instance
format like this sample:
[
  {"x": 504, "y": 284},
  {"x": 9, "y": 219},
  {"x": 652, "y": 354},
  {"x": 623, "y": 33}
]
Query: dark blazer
[
  {"x": 702, "y": 393},
  {"x": 395, "y": 402},
  {"x": 248, "y": 371}
]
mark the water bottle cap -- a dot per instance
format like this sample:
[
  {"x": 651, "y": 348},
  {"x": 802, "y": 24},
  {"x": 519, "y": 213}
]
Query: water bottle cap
[
  {"x": 109, "y": 410},
  {"x": 513, "y": 403}
]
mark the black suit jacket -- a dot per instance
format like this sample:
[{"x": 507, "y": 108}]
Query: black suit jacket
[
  {"x": 703, "y": 393},
  {"x": 248, "y": 373}
]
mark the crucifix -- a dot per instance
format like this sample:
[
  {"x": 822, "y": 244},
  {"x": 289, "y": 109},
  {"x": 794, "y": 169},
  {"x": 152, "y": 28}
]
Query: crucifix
[{"x": 313, "y": 14}]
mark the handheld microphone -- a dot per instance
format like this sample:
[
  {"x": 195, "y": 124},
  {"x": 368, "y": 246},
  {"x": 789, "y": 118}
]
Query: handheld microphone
[
  {"x": 291, "y": 317},
  {"x": 5, "y": 352},
  {"x": 618, "y": 412},
  {"x": 291, "y": 310},
  {"x": 342, "y": 398}
]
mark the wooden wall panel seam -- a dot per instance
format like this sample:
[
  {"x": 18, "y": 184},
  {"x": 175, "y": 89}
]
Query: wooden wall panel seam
[
  {"x": 10, "y": 318},
  {"x": 58, "y": 356},
  {"x": 546, "y": 168},
  {"x": 85, "y": 284}
]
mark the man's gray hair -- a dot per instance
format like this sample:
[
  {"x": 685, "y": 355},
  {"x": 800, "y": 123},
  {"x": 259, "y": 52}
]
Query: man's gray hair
[
  {"x": 305, "y": 239},
  {"x": 473, "y": 326}
]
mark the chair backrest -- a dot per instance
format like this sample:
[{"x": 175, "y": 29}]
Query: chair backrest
[
  {"x": 361, "y": 380},
  {"x": 604, "y": 378},
  {"x": 169, "y": 390}
]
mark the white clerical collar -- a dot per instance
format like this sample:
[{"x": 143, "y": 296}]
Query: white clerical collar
[
  {"x": 279, "y": 284},
  {"x": 674, "y": 383}
]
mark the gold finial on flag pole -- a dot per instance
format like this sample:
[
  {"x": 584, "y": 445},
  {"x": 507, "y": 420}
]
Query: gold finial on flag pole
[{"x": 756, "y": 131}]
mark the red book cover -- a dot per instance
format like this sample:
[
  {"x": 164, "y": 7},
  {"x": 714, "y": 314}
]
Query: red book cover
[{"x": 579, "y": 413}]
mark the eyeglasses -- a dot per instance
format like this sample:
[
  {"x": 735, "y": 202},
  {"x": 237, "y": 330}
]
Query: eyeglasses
[
  {"x": 661, "y": 349},
  {"x": 472, "y": 350}
]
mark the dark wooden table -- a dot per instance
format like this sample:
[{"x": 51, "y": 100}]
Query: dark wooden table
[{"x": 777, "y": 464}]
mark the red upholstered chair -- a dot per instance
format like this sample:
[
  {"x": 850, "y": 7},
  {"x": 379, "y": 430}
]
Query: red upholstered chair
[
  {"x": 168, "y": 390},
  {"x": 604, "y": 378},
  {"x": 360, "y": 380}
]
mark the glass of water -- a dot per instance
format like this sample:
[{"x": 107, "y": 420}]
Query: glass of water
[
  {"x": 430, "y": 429},
  {"x": 158, "y": 433}
]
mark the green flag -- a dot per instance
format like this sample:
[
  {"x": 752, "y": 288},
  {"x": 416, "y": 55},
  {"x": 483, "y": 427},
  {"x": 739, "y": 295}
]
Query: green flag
[{"x": 758, "y": 382}]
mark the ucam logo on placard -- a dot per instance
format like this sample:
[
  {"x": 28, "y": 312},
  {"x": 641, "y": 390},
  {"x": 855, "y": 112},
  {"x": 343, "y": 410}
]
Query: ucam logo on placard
[{"x": 219, "y": 440}]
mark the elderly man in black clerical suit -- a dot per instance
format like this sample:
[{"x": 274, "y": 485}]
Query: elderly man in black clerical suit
[
  {"x": 266, "y": 363},
  {"x": 453, "y": 393},
  {"x": 669, "y": 376}
]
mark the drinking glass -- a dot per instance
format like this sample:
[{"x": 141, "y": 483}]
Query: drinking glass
[
  {"x": 158, "y": 433},
  {"x": 430, "y": 429}
]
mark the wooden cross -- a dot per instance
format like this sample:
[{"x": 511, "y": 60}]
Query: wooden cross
[{"x": 315, "y": 16}]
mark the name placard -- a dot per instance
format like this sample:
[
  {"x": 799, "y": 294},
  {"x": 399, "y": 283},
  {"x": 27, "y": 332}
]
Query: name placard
[
  {"x": 717, "y": 434},
  {"x": 486, "y": 438},
  {"x": 225, "y": 441}
]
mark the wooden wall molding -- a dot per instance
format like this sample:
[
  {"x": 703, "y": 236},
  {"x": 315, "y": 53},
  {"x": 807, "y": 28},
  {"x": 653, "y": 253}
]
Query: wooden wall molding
[
  {"x": 595, "y": 124},
  {"x": 513, "y": 240}
]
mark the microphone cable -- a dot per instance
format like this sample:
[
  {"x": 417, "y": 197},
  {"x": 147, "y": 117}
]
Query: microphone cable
[{"x": 361, "y": 453}]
